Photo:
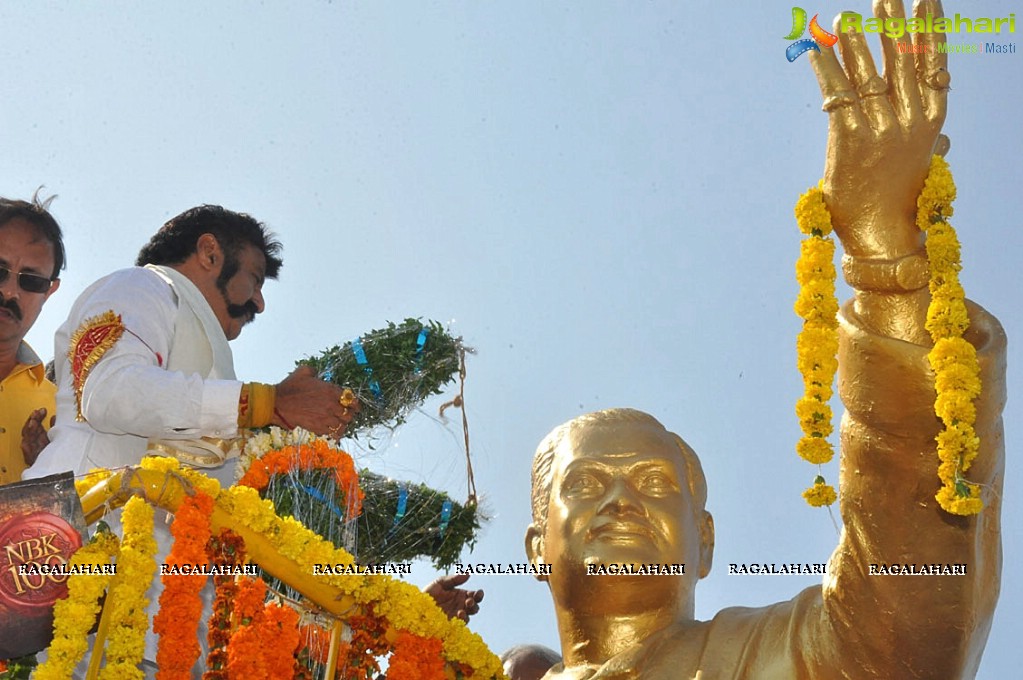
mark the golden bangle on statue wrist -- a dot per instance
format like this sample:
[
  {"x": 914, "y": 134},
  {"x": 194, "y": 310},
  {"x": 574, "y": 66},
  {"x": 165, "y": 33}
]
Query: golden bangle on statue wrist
[{"x": 899, "y": 275}]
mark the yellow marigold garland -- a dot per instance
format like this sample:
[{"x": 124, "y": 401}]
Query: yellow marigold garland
[
  {"x": 126, "y": 641},
  {"x": 953, "y": 359},
  {"x": 402, "y": 604},
  {"x": 74, "y": 616},
  {"x": 817, "y": 343}
]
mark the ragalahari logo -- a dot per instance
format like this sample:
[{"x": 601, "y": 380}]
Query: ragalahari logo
[{"x": 819, "y": 35}]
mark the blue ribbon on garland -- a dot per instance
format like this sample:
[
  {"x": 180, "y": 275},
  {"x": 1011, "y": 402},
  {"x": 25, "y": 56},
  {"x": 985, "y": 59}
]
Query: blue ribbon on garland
[
  {"x": 399, "y": 513},
  {"x": 420, "y": 343},
  {"x": 318, "y": 495},
  {"x": 360, "y": 357},
  {"x": 445, "y": 517},
  {"x": 402, "y": 504}
]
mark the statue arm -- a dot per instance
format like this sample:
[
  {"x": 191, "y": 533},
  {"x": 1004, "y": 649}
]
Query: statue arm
[
  {"x": 911, "y": 626},
  {"x": 881, "y": 135}
]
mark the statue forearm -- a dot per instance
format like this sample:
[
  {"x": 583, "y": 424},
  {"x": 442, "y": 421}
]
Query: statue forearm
[{"x": 889, "y": 479}]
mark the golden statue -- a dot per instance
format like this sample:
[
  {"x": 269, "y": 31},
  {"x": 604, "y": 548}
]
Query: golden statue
[{"x": 616, "y": 488}]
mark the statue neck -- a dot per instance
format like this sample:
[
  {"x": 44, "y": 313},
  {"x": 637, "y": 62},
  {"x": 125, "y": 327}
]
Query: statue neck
[{"x": 593, "y": 632}]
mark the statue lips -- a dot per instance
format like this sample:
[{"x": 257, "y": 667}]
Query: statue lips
[{"x": 628, "y": 532}]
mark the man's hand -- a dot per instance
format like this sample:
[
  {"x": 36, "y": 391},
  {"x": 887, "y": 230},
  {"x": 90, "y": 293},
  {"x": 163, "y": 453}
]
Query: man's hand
[
  {"x": 882, "y": 132},
  {"x": 454, "y": 601},
  {"x": 33, "y": 436},
  {"x": 303, "y": 400}
]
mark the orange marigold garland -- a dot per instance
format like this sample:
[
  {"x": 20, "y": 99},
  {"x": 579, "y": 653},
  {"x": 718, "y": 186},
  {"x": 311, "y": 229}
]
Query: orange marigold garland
[
  {"x": 225, "y": 549},
  {"x": 316, "y": 454},
  {"x": 817, "y": 343},
  {"x": 416, "y": 658},
  {"x": 400, "y": 604},
  {"x": 245, "y": 650},
  {"x": 177, "y": 622},
  {"x": 358, "y": 660},
  {"x": 280, "y": 624},
  {"x": 267, "y": 637}
]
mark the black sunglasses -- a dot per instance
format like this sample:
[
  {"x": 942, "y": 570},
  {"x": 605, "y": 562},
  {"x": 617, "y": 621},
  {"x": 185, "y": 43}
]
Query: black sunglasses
[{"x": 30, "y": 283}]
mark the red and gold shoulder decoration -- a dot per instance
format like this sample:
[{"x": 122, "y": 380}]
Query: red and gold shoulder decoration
[{"x": 88, "y": 345}]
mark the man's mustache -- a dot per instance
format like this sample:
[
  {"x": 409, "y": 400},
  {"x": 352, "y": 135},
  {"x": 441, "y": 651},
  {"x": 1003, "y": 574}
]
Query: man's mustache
[
  {"x": 245, "y": 311},
  {"x": 13, "y": 308}
]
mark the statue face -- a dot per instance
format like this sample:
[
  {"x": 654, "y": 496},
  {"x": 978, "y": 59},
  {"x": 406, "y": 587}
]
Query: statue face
[{"x": 619, "y": 496}]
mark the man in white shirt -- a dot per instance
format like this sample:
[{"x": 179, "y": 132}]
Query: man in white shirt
[
  {"x": 143, "y": 361},
  {"x": 143, "y": 365}
]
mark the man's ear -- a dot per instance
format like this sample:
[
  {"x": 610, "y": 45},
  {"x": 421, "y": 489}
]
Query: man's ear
[
  {"x": 53, "y": 289},
  {"x": 706, "y": 544},
  {"x": 209, "y": 253},
  {"x": 534, "y": 549}
]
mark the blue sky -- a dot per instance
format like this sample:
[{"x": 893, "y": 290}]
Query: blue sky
[{"x": 597, "y": 196}]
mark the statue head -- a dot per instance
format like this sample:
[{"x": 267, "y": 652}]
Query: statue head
[{"x": 615, "y": 487}]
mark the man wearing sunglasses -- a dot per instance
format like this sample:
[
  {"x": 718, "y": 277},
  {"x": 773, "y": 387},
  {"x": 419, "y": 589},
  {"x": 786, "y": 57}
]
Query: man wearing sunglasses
[{"x": 31, "y": 257}]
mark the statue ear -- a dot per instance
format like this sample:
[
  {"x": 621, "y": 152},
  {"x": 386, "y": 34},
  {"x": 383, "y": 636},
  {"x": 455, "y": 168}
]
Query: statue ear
[
  {"x": 534, "y": 548},
  {"x": 706, "y": 544}
]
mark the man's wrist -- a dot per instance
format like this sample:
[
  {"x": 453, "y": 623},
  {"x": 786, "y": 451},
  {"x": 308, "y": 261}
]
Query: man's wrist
[{"x": 256, "y": 404}]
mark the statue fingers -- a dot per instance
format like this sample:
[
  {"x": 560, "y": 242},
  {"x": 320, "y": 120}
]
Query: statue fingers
[
  {"x": 840, "y": 100},
  {"x": 932, "y": 65},
  {"x": 871, "y": 88},
  {"x": 899, "y": 62}
]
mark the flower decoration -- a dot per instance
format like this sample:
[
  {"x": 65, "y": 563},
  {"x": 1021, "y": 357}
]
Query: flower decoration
[
  {"x": 177, "y": 622},
  {"x": 391, "y": 371},
  {"x": 415, "y": 658},
  {"x": 225, "y": 549},
  {"x": 817, "y": 343},
  {"x": 74, "y": 616},
  {"x": 395, "y": 605},
  {"x": 953, "y": 359},
  {"x": 318, "y": 454},
  {"x": 126, "y": 640}
]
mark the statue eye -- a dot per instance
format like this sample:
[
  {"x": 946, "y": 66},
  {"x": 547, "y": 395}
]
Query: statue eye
[
  {"x": 583, "y": 484},
  {"x": 656, "y": 484}
]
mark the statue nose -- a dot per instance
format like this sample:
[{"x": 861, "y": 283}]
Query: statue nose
[{"x": 620, "y": 498}]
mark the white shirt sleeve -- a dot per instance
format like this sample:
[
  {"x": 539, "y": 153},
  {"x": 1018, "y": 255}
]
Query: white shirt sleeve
[{"x": 128, "y": 390}]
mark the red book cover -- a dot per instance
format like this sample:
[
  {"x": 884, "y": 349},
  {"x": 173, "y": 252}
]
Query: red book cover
[{"x": 41, "y": 526}]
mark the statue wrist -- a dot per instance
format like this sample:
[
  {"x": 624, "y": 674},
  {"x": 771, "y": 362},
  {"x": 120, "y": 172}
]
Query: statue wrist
[{"x": 883, "y": 275}]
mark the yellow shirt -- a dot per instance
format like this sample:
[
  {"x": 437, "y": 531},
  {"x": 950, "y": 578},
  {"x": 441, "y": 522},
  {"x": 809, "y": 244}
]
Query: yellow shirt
[{"x": 24, "y": 390}]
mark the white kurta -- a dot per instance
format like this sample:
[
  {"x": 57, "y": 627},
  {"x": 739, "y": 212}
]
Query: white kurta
[{"x": 167, "y": 377}]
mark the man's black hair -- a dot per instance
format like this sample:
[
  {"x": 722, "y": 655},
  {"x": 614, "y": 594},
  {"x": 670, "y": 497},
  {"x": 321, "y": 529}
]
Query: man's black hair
[
  {"x": 176, "y": 240},
  {"x": 36, "y": 212}
]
